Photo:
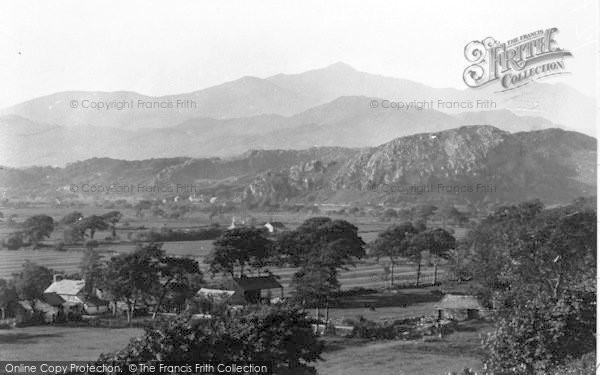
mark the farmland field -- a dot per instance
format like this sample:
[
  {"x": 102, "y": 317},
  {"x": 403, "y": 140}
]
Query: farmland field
[
  {"x": 388, "y": 357},
  {"x": 452, "y": 353},
  {"x": 56, "y": 343},
  {"x": 342, "y": 356},
  {"x": 368, "y": 274}
]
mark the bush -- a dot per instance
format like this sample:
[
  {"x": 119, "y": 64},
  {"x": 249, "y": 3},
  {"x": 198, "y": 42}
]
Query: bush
[
  {"x": 367, "y": 329},
  {"x": 585, "y": 365},
  {"x": 14, "y": 241}
]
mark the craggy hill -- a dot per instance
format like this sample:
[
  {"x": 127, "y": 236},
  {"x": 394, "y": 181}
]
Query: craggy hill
[{"x": 466, "y": 164}]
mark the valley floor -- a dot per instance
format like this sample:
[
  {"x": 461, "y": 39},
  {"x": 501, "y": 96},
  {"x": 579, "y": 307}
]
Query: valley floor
[
  {"x": 342, "y": 356},
  {"x": 61, "y": 343},
  {"x": 452, "y": 353}
]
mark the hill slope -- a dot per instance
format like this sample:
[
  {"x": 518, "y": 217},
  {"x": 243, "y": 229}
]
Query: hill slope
[{"x": 465, "y": 164}]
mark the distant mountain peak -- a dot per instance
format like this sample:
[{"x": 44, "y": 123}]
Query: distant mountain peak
[{"x": 340, "y": 66}]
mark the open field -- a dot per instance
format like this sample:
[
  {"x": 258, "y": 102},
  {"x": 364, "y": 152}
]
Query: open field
[
  {"x": 342, "y": 356},
  {"x": 60, "y": 343},
  {"x": 452, "y": 353},
  {"x": 367, "y": 274}
]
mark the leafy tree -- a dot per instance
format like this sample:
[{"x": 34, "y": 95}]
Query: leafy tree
[
  {"x": 8, "y": 296},
  {"x": 14, "y": 241},
  {"x": 394, "y": 243},
  {"x": 71, "y": 218},
  {"x": 133, "y": 277},
  {"x": 315, "y": 285},
  {"x": 92, "y": 270},
  {"x": 31, "y": 282},
  {"x": 335, "y": 243},
  {"x": 277, "y": 334},
  {"x": 438, "y": 242},
  {"x": 525, "y": 247},
  {"x": 180, "y": 277},
  {"x": 542, "y": 284},
  {"x": 320, "y": 246},
  {"x": 240, "y": 248},
  {"x": 112, "y": 218},
  {"x": 92, "y": 223},
  {"x": 72, "y": 234},
  {"x": 541, "y": 333},
  {"x": 37, "y": 227}
]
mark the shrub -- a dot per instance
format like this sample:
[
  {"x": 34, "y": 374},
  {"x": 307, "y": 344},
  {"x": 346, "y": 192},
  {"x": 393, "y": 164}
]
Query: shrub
[{"x": 14, "y": 241}]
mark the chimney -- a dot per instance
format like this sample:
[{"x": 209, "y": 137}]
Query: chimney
[{"x": 57, "y": 277}]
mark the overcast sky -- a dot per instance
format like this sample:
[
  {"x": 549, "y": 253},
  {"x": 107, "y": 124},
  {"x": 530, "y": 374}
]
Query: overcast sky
[{"x": 168, "y": 47}]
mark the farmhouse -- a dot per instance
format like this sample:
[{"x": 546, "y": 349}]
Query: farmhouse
[
  {"x": 242, "y": 290},
  {"x": 459, "y": 307},
  {"x": 70, "y": 292}
]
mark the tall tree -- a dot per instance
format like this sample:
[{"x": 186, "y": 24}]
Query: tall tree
[
  {"x": 177, "y": 275},
  {"x": 315, "y": 285},
  {"x": 335, "y": 242},
  {"x": 320, "y": 247},
  {"x": 71, "y": 218},
  {"x": 133, "y": 277},
  {"x": 37, "y": 228},
  {"x": 31, "y": 282},
  {"x": 112, "y": 218},
  {"x": 8, "y": 296},
  {"x": 438, "y": 242},
  {"x": 238, "y": 249},
  {"x": 542, "y": 286},
  {"x": 91, "y": 270},
  {"x": 394, "y": 243},
  {"x": 92, "y": 223}
]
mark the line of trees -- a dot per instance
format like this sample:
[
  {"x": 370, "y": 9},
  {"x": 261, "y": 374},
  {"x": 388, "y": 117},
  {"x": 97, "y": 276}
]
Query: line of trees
[
  {"x": 39, "y": 227},
  {"x": 144, "y": 277},
  {"x": 320, "y": 247},
  {"x": 409, "y": 241}
]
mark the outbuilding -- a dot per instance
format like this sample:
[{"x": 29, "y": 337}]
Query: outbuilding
[{"x": 459, "y": 307}]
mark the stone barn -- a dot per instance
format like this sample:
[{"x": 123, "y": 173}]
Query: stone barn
[
  {"x": 459, "y": 307},
  {"x": 246, "y": 290},
  {"x": 255, "y": 289}
]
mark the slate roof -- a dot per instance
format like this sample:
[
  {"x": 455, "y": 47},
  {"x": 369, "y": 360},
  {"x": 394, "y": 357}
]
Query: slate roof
[
  {"x": 53, "y": 299},
  {"x": 454, "y": 301},
  {"x": 66, "y": 287}
]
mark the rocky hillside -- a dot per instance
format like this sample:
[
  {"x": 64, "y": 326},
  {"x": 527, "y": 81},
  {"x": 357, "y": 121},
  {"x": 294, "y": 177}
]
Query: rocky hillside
[{"x": 469, "y": 164}]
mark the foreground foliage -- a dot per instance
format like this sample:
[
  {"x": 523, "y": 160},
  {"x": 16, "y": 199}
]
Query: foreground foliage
[
  {"x": 280, "y": 335},
  {"x": 537, "y": 268}
]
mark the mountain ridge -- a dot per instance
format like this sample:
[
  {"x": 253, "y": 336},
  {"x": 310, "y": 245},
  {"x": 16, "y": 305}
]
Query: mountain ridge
[
  {"x": 289, "y": 94},
  {"x": 552, "y": 164},
  {"x": 346, "y": 122}
]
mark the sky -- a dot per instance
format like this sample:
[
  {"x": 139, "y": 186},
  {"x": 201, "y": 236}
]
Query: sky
[{"x": 169, "y": 47}]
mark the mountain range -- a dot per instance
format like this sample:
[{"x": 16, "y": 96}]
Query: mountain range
[
  {"x": 324, "y": 107},
  {"x": 551, "y": 164}
]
